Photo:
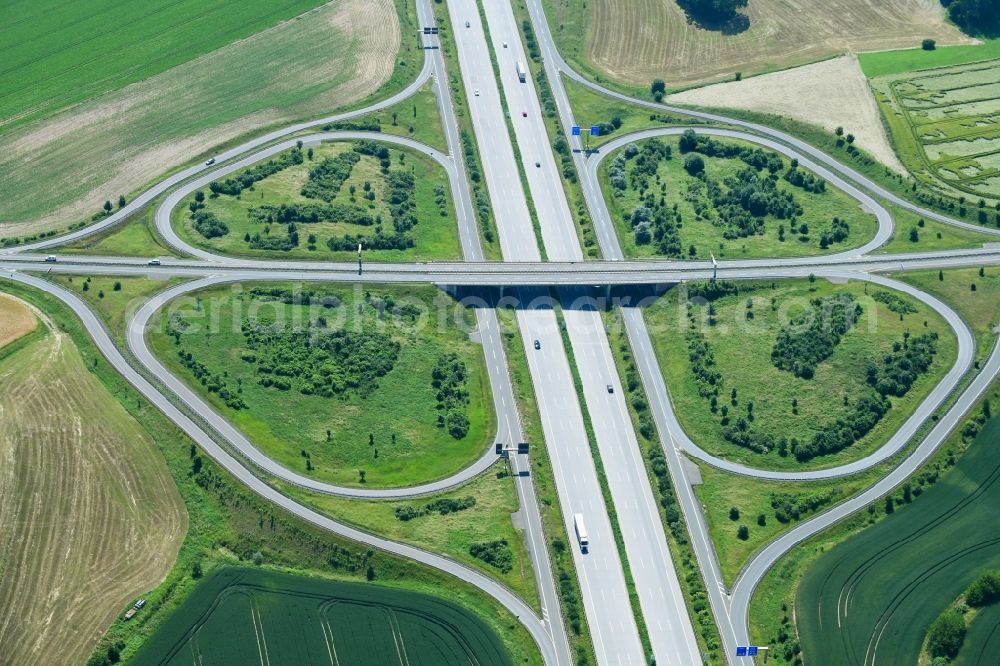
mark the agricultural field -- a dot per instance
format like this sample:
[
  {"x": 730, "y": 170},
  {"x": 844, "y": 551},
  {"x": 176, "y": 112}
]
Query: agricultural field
[
  {"x": 60, "y": 169},
  {"x": 773, "y": 374},
  {"x": 832, "y": 93},
  {"x": 663, "y": 204},
  {"x": 320, "y": 203},
  {"x": 16, "y": 320},
  {"x": 352, "y": 385},
  {"x": 248, "y": 616},
  {"x": 945, "y": 124},
  {"x": 89, "y": 515},
  {"x": 632, "y": 43},
  {"x": 876, "y": 593}
]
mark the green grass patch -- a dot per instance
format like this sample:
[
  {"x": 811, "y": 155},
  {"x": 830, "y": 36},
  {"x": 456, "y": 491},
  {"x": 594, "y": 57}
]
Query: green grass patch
[
  {"x": 136, "y": 237},
  {"x": 242, "y": 615},
  {"x": 741, "y": 343},
  {"x": 416, "y": 118},
  {"x": 413, "y": 223},
  {"x": 390, "y": 424},
  {"x": 228, "y": 525},
  {"x": 680, "y": 214},
  {"x": 447, "y": 523},
  {"x": 914, "y": 233},
  {"x": 980, "y": 308},
  {"x": 881, "y": 63},
  {"x": 910, "y": 566},
  {"x": 114, "y": 298}
]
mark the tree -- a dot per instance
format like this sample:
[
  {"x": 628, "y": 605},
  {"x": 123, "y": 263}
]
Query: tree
[
  {"x": 762, "y": 520},
  {"x": 940, "y": 276},
  {"x": 121, "y": 200},
  {"x": 946, "y": 634},
  {"x": 928, "y": 44},
  {"x": 196, "y": 571},
  {"x": 850, "y": 138},
  {"x": 743, "y": 533},
  {"x": 890, "y": 506},
  {"x": 694, "y": 164},
  {"x": 734, "y": 513},
  {"x": 658, "y": 88},
  {"x": 199, "y": 196},
  {"x": 361, "y": 475},
  {"x": 976, "y": 17},
  {"x": 982, "y": 272},
  {"x": 370, "y": 573},
  {"x": 914, "y": 235},
  {"x": 839, "y": 131},
  {"x": 196, "y": 464},
  {"x": 117, "y": 286},
  {"x": 107, "y": 206}
]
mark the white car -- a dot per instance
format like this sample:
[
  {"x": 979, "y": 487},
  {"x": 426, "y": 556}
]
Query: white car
[
  {"x": 477, "y": 92},
  {"x": 505, "y": 44},
  {"x": 153, "y": 262},
  {"x": 210, "y": 162},
  {"x": 467, "y": 24},
  {"x": 51, "y": 258}
]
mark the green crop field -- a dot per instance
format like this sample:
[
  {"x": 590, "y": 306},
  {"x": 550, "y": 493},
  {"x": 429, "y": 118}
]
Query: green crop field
[
  {"x": 735, "y": 336},
  {"x": 117, "y": 140},
  {"x": 341, "y": 385},
  {"x": 982, "y": 642},
  {"x": 249, "y": 616},
  {"x": 398, "y": 207},
  {"x": 690, "y": 216},
  {"x": 945, "y": 124},
  {"x": 70, "y": 51},
  {"x": 870, "y": 599}
]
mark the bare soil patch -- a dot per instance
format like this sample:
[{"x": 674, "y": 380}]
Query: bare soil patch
[{"x": 833, "y": 93}]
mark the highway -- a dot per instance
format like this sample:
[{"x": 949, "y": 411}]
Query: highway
[
  {"x": 524, "y": 275},
  {"x": 602, "y": 581}
]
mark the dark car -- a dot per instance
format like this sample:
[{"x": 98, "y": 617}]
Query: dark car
[
  {"x": 538, "y": 345},
  {"x": 611, "y": 389}
]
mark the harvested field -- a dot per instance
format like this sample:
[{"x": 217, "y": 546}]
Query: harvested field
[
  {"x": 89, "y": 516},
  {"x": 833, "y": 93},
  {"x": 62, "y": 169},
  {"x": 16, "y": 320},
  {"x": 636, "y": 42}
]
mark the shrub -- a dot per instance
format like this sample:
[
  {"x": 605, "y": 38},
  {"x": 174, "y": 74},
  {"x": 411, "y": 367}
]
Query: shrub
[
  {"x": 496, "y": 553},
  {"x": 694, "y": 164},
  {"x": 928, "y": 45},
  {"x": 985, "y": 590},
  {"x": 945, "y": 635}
]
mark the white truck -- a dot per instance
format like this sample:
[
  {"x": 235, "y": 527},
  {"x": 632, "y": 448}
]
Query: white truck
[
  {"x": 581, "y": 532},
  {"x": 522, "y": 73}
]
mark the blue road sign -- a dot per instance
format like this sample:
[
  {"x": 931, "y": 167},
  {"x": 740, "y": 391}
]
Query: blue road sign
[
  {"x": 741, "y": 651},
  {"x": 576, "y": 130},
  {"x": 595, "y": 130},
  {"x": 752, "y": 651}
]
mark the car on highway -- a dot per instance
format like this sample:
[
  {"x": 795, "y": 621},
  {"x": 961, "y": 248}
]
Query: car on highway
[
  {"x": 611, "y": 389},
  {"x": 477, "y": 92},
  {"x": 538, "y": 164},
  {"x": 468, "y": 25},
  {"x": 505, "y": 44},
  {"x": 51, "y": 258},
  {"x": 538, "y": 345},
  {"x": 210, "y": 162},
  {"x": 153, "y": 262},
  {"x": 524, "y": 114}
]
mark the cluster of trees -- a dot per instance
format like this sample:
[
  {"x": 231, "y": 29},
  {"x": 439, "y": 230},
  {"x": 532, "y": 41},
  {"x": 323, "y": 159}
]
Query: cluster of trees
[
  {"x": 479, "y": 197},
  {"x": 976, "y": 17},
  {"x": 378, "y": 241},
  {"x": 383, "y": 304},
  {"x": 213, "y": 383},
  {"x": 295, "y": 296},
  {"x": 310, "y": 213},
  {"x": 495, "y": 553},
  {"x": 807, "y": 341},
  {"x": 788, "y": 507},
  {"x": 946, "y": 634},
  {"x": 327, "y": 177},
  {"x": 656, "y": 222},
  {"x": 236, "y": 184},
  {"x": 399, "y": 195},
  {"x": 807, "y": 181},
  {"x": 893, "y": 302},
  {"x": 907, "y": 361},
  {"x": 205, "y": 222},
  {"x": 279, "y": 243},
  {"x": 712, "y": 11},
  {"x": 450, "y": 379},
  {"x": 985, "y": 590},
  {"x": 749, "y": 196},
  {"x": 838, "y": 233},
  {"x": 867, "y": 411},
  {"x": 691, "y": 142},
  {"x": 317, "y": 361},
  {"x": 439, "y": 506}
]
